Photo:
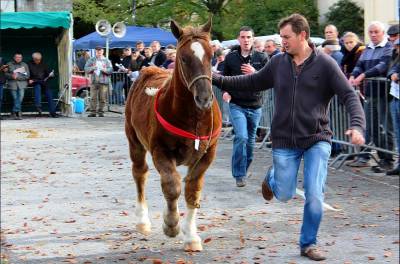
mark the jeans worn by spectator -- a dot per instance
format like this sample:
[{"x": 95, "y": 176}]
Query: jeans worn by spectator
[
  {"x": 18, "y": 97},
  {"x": 245, "y": 122},
  {"x": 117, "y": 93},
  {"x": 38, "y": 97},
  {"x": 395, "y": 112},
  {"x": 283, "y": 182}
]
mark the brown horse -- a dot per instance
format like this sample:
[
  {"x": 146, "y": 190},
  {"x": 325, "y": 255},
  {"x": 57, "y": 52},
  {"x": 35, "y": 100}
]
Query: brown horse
[{"x": 178, "y": 126}]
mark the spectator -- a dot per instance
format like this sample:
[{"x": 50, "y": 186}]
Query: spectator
[
  {"x": 394, "y": 74},
  {"x": 259, "y": 45},
  {"x": 100, "y": 69},
  {"x": 374, "y": 62},
  {"x": 17, "y": 76},
  {"x": 271, "y": 48},
  {"x": 244, "y": 106},
  {"x": 136, "y": 61},
  {"x": 158, "y": 57},
  {"x": 3, "y": 69},
  {"x": 168, "y": 53},
  {"x": 172, "y": 57},
  {"x": 122, "y": 82},
  {"x": 81, "y": 61},
  {"x": 219, "y": 68},
  {"x": 215, "y": 45},
  {"x": 331, "y": 32},
  {"x": 352, "y": 52},
  {"x": 148, "y": 54},
  {"x": 300, "y": 128},
  {"x": 140, "y": 47},
  {"x": 39, "y": 74},
  {"x": 332, "y": 48},
  {"x": 393, "y": 33}
]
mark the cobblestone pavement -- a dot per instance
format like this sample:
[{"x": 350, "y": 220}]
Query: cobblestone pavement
[{"x": 67, "y": 196}]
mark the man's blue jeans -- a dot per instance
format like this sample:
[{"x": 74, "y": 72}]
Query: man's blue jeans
[
  {"x": 395, "y": 111},
  {"x": 18, "y": 96},
  {"x": 245, "y": 122},
  {"x": 283, "y": 182},
  {"x": 117, "y": 93},
  {"x": 38, "y": 97}
]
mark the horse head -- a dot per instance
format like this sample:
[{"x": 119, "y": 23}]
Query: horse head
[{"x": 193, "y": 61}]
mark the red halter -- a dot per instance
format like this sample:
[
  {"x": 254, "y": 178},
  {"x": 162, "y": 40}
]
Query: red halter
[{"x": 179, "y": 132}]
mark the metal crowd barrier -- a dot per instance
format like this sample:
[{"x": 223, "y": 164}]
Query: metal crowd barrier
[
  {"x": 120, "y": 85},
  {"x": 374, "y": 96}
]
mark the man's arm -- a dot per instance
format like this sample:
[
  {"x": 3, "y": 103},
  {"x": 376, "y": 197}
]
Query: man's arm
[
  {"x": 352, "y": 103},
  {"x": 88, "y": 66},
  {"x": 382, "y": 66},
  {"x": 258, "y": 81}
]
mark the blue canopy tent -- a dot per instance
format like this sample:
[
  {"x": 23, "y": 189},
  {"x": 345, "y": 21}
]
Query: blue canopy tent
[{"x": 133, "y": 34}]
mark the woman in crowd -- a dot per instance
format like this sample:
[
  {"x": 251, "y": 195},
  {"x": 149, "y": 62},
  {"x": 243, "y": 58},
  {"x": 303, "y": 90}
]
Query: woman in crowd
[{"x": 353, "y": 49}]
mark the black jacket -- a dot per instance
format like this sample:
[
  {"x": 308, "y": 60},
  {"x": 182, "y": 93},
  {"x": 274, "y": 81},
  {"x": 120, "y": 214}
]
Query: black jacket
[
  {"x": 38, "y": 72},
  {"x": 301, "y": 116},
  {"x": 233, "y": 62}
]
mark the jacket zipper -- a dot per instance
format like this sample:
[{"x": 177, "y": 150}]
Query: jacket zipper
[{"x": 292, "y": 108}]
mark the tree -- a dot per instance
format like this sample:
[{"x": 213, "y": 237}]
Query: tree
[
  {"x": 346, "y": 15},
  {"x": 264, "y": 15}
]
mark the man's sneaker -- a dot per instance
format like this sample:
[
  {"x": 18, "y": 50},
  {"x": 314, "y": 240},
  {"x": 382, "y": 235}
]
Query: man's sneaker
[
  {"x": 265, "y": 189},
  {"x": 92, "y": 115},
  {"x": 240, "y": 182},
  {"x": 312, "y": 253},
  {"x": 19, "y": 116}
]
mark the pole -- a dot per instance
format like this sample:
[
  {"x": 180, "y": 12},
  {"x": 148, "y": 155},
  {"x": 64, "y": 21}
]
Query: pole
[
  {"x": 134, "y": 11},
  {"x": 107, "y": 41}
]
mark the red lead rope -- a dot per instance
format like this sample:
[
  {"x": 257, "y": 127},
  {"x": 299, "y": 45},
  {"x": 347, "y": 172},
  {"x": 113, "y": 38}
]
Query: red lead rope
[{"x": 178, "y": 131}]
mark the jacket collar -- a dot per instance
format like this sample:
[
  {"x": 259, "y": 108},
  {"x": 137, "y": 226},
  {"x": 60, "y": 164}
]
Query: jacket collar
[{"x": 380, "y": 44}]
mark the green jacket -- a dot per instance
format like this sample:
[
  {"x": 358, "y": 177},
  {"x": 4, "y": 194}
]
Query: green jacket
[{"x": 22, "y": 78}]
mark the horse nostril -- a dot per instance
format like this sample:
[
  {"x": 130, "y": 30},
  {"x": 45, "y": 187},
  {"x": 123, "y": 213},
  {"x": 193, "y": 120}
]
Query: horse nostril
[{"x": 197, "y": 98}]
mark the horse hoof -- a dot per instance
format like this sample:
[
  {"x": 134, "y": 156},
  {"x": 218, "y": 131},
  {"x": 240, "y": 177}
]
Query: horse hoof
[
  {"x": 171, "y": 231},
  {"x": 144, "y": 229},
  {"x": 193, "y": 246}
]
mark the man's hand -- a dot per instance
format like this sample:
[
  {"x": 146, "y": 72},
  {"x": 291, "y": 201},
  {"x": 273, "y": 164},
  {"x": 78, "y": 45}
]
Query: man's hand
[
  {"x": 247, "y": 69},
  {"x": 30, "y": 81},
  {"x": 394, "y": 77},
  {"x": 14, "y": 76},
  {"x": 357, "y": 81},
  {"x": 356, "y": 137},
  {"x": 226, "y": 97},
  {"x": 351, "y": 80}
]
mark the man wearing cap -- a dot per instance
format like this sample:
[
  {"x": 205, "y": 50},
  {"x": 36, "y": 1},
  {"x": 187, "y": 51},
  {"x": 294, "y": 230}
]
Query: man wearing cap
[
  {"x": 100, "y": 69},
  {"x": 393, "y": 33}
]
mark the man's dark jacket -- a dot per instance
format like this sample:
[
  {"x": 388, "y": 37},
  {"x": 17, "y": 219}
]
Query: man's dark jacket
[
  {"x": 38, "y": 72},
  {"x": 301, "y": 116},
  {"x": 233, "y": 62}
]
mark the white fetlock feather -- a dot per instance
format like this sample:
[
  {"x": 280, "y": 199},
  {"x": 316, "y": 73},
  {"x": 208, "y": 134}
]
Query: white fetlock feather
[{"x": 151, "y": 91}]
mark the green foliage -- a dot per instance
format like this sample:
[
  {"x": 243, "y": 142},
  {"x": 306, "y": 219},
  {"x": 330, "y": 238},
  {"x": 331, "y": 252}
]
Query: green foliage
[
  {"x": 346, "y": 15},
  {"x": 228, "y": 15}
]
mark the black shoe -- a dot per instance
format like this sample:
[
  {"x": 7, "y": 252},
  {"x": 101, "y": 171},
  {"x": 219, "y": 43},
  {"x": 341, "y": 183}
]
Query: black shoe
[
  {"x": 386, "y": 164},
  {"x": 14, "y": 116},
  {"x": 54, "y": 115},
  {"x": 19, "y": 116},
  {"x": 39, "y": 110},
  {"x": 101, "y": 115},
  {"x": 92, "y": 115},
  {"x": 395, "y": 171},
  {"x": 377, "y": 169}
]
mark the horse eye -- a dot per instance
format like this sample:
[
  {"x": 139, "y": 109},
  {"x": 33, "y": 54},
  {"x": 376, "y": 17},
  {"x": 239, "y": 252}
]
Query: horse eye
[{"x": 183, "y": 60}]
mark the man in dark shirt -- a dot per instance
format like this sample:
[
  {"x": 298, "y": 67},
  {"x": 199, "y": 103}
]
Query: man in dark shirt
[
  {"x": 39, "y": 75},
  {"x": 244, "y": 106},
  {"x": 304, "y": 81}
]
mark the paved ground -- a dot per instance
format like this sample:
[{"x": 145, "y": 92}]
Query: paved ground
[{"x": 67, "y": 196}]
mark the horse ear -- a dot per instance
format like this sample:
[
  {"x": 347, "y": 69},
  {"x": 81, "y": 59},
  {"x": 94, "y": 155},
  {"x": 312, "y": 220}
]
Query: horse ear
[
  {"x": 207, "y": 26},
  {"x": 176, "y": 29}
]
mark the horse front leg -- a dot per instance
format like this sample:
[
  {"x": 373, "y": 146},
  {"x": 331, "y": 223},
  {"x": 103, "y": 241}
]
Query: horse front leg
[
  {"x": 171, "y": 187},
  {"x": 193, "y": 185}
]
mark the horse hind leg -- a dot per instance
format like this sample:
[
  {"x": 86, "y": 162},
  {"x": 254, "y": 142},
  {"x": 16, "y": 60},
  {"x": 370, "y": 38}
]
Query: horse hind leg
[
  {"x": 171, "y": 187},
  {"x": 140, "y": 172}
]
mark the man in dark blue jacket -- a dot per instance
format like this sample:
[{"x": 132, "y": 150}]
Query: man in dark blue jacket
[
  {"x": 244, "y": 106},
  {"x": 304, "y": 81}
]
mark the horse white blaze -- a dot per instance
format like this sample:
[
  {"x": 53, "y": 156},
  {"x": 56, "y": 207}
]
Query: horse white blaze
[
  {"x": 142, "y": 214},
  {"x": 189, "y": 227},
  {"x": 198, "y": 50}
]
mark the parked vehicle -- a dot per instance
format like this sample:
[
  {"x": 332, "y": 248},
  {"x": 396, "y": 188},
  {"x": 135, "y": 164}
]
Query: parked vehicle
[{"x": 80, "y": 86}]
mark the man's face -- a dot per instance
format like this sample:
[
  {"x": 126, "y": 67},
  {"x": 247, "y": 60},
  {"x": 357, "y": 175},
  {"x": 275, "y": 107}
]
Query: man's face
[
  {"x": 246, "y": 40},
  {"x": 393, "y": 37},
  {"x": 147, "y": 53},
  {"x": 140, "y": 46},
  {"x": 155, "y": 47},
  {"x": 269, "y": 47},
  {"x": 18, "y": 58},
  {"x": 259, "y": 46},
  {"x": 331, "y": 33},
  {"x": 127, "y": 52},
  {"x": 290, "y": 40},
  {"x": 99, "y": 52},
  {"x": 37, "y": 60},
  {"x": 376, "y": 34}
]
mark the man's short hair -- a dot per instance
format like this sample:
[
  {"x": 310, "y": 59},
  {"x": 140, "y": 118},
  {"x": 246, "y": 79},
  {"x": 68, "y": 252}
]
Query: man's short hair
[
  {"x": 139, "y": 42},
  {"x": 379, "y": 24},
  {"x": 37, "y": 55},
  {"x": 246, "y": 28},
  {"x": 272, "y": 41},
  {"x": 298, "y": 22}
]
